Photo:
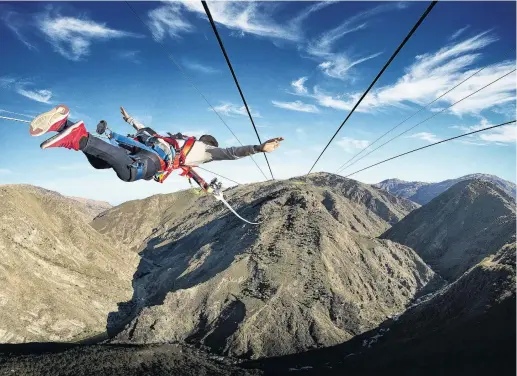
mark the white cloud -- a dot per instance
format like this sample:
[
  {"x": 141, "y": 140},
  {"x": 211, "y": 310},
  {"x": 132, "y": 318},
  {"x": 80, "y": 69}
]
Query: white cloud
[
  {"x": 341, "y": 64},
  {"x": 72, "y": 37},
  {"x": 7, "y": 82},
  {"x": 230, "y": 109},
  {"x": 130, "y": 55},
  {"x": 42, "y": 96},
  {"x": 505, "y": 134},
  {"x": 168, "y": 19},
  {"x": 247, "y": 17},
  {"x": 5, "y": 171},
  {"x": 241, "y": 17},
  {"x": 296, "y": 106},
  {"x": 195, "y": 66},
  {"x": 299, "y": 87},
  {"x": 20, "y": 87},
  {"x": 15, "y": 24},
  {"x": 350, "y": 145},
  {"x": 502, "y": 135},
  {"x": 457, "y": 33},
  {"x": 433, "y": 73},
  {"x": 426, "y": 136},
  {"x": 338, "y": 65}
]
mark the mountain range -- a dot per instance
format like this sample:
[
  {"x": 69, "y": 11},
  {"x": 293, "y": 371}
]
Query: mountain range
[
  {"x": 339, "y": 276},
  {"x": 422, "y": 193}
]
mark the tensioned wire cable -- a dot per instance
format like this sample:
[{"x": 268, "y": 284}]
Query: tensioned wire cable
[
  {"x": 410, "y": 34},
  {"x": 216, "y": 174},
  {"x": 195, "y": 87},
  {"x": 14, "y": 119},
  {"x": 428, "y": 146},
  {"x": 214, "y": 28},
  {"x": 406, "y": 119},
  {"x": 429, "y": 118}
]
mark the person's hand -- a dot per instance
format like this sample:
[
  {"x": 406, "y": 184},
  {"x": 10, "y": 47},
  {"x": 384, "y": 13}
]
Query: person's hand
[
  {"x": 271, "y": 145},
  {"x": 124, "y": 113}
]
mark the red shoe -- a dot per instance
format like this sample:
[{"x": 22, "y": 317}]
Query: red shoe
[
  {"x": 69, "y": 138},
  {"x": 49, "y": 121}
]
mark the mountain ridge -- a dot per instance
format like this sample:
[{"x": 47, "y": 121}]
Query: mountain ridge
[{"x": 423, "y": 192}]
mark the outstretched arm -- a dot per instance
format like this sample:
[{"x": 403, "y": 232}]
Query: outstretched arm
[
  {"x": 232, "y": 153},
  {"x": 128, "y": 119}
]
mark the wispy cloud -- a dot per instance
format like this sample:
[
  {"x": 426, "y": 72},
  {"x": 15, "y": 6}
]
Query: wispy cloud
[
  {"x": 5, "y": 171},
  {"x": 230, "y": 109},
  {"x": 338, "y": 64},
  {"x": 341, "y": 64},
  {"x": 502, "y": 135},
  {"x": 72, "y": 37},
  {"x": 299, "y": 86},
  {"x": 43, "y": 96},
  {"x": 15, "y": 23},
  {"x": 168, "y": 20},
  {"x": 349, "y": 145},
  {"x": 241, "y": 17},
  {"x": 132, "y": 56},
  {"x": 21, "y": 87},
  {"x": 457, "y": 33},
  {"x": 296, "y": 106},
  {"x": 198, "y": 67},
  {"x": 426, "y": 136},
  {"x": 247, "y": 17},
  {"x": 433, "y": 73}
]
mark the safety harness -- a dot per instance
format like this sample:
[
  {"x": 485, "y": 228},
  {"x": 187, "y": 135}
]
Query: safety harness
[{"x": 180, "y": 155}]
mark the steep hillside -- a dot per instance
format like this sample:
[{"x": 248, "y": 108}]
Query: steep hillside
[
  {"x": 466, "y": 328},
  {"x": 130, "y": 223},
  {"x": 60, "y": 278},
  {"x": 311, "y": 275},
  {"x": 92, "y": 207},
  {"x": 387, "y": 206},
  {"x": 422, "y": 193},
  {"x": 459, "y": 228}
]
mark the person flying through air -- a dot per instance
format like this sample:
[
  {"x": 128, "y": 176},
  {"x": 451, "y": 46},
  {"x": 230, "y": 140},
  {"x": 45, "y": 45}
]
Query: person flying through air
[{"x": 145, "y": 155}]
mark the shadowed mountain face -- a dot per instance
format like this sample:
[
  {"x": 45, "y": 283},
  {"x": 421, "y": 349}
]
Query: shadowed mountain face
[
  {"x": 422, "y": 193},
  {"x": 459, "y": 228},
  {"x": 312, "y": 274},
  {"x": 466, "y": 328},
  {"x": 60, "y": 278}
]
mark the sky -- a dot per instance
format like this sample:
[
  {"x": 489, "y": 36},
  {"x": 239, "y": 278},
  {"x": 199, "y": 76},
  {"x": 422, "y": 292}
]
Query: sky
[{"x": 302, "y": 67}]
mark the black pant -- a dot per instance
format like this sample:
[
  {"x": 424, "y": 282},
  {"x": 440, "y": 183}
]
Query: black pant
[{"x": 102, "y": 155}]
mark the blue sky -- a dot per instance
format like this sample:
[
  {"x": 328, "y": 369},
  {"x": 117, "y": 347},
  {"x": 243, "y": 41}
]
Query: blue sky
[{"x": 301, "y": 65}]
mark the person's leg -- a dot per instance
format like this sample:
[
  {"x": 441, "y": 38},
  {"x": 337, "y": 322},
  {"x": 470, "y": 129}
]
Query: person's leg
[
  {"x": 77, "y": 138},
  {"x": 104, "y": 154},
  {"x": 97, "y": 163}
]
